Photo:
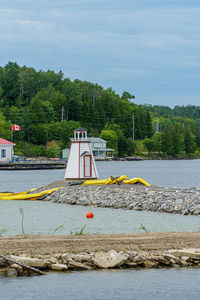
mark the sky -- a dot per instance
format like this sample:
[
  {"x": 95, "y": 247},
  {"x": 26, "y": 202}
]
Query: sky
[{"x": 149, "y": 48}]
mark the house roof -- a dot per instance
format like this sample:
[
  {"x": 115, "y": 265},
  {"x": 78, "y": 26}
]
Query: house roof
[
  {"x": 96, "y": 140},
  {"x": 5, "y": 142},
  {"x": 80, "y": 129}
]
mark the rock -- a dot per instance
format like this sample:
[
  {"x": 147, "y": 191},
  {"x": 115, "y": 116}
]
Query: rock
[
  {"x": 31, "y": 262},
  {"x": 109, "y": 259},
  {"x": 190, "y": 253},
  {"x": 161, "y": 260},
  {"x": 150, "y": 264},
  {"x": 77, "y": 265},
  {"x": 59, "y": 267},
  {"x": 132, "y": 264},
  {"x": 172, "y": 200},
  {"x": 185, "y": 258},
  {"x": 183, "y": 262},
  {"x": 8, "y": 272}
]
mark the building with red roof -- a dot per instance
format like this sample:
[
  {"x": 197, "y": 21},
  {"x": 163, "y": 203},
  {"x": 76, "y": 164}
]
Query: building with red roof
[{"x": 6, "y": 150}]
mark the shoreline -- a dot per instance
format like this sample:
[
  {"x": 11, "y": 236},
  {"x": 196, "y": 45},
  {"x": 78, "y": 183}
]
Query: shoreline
[
  {"x": 128, "y": 196},
  {"x": 92, "y": 252},
  {"x": 148, "y": 157}
]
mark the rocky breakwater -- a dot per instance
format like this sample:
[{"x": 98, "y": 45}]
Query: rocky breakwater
[
  {"x": 136, "y": 197},
  {"x": 14, "y": 265}
]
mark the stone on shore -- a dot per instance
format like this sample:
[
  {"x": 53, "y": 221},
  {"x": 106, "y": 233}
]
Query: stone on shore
[
  {"x": 187, "y": 253},
  {"x": 136, "y": 197},
  {"x": 109, "y": 259},
  {"x": 31, "y": 262},
  {"x": 59, "y": 267},
  {"x": 8, "y": 272}
]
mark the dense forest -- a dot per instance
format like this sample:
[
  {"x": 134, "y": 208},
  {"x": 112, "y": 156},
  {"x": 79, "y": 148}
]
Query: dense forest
[{"x": 48, "y": 107}]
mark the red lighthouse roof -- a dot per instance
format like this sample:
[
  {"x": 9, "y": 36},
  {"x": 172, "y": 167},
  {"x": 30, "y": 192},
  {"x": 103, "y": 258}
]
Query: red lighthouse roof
[{"x": 5, "y": 142}]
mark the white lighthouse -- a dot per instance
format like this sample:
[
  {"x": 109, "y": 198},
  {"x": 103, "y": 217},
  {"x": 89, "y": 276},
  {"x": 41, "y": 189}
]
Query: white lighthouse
[{"x": 81, "y": 164}]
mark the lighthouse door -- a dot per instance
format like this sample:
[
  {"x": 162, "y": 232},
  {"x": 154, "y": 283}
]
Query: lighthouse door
[{"x": 87, "y": 166}]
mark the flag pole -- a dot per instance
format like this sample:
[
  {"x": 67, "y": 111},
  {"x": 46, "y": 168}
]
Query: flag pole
[{"x": 11, "y": 134}]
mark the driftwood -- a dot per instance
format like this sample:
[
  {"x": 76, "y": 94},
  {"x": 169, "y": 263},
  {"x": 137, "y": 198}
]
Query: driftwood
[{"x": 28, "y": 268}]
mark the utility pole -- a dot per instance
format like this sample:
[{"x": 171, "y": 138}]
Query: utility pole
[
  {"x": 133, "y": 126},
  {"x": 11, "y": 135},
  {"x": 157, "y": 126},
  {"x": 62, "y": 116}
]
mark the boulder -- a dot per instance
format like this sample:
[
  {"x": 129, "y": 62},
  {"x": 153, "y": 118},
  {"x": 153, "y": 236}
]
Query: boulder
[
  {"x": 190, "y": 253},
  {"x": 150, "y": 264},
  {"x": 31, "y": 262},
  {"x": 109, "y": 259},
  {"x": 77, "y": 265},
  {"x": 9, "y": 272},
  {"x": 59, "y": 267}
]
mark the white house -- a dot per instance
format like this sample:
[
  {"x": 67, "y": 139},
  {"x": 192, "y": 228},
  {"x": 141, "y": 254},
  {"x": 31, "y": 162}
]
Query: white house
[
  {"x": 99, "y": 149},
  {"x": 6, "y": 150},
  {"x": 81, "y": 164}
]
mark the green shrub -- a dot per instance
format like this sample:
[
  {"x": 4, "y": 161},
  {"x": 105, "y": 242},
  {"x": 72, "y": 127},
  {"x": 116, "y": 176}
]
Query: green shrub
[{"x": 53, "y": 149}]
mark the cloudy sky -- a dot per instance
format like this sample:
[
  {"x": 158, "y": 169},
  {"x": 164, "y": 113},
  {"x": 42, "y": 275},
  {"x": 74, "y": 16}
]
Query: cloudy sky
[{"x": 150, "y": 48}]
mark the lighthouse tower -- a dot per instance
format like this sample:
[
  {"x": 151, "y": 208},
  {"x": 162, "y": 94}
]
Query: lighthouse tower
[{"x": 81, "y": 164}]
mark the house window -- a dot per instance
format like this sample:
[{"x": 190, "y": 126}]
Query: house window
[{"x": 3, "y": 153}]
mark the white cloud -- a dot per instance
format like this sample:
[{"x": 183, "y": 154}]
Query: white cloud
[{"x": 105, "y": 40}]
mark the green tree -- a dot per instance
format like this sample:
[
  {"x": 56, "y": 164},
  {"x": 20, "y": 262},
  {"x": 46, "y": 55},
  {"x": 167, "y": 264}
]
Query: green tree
[
  {"x": 149, "y": 144},
  {"x": 167, "y": 141},
  {"x": 5, "y": 127},
  {"x": 111, "y": 137},
  {"x": 157, "y": 144},
  {"x": 178, "y": 139},
  {"x": 189, "y": 140},
  {"x": 130, "y": 147},
  {"x": 9, "y": 82}
]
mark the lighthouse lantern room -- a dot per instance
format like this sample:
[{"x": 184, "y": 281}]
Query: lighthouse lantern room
[{"x": 81, "y": 164}]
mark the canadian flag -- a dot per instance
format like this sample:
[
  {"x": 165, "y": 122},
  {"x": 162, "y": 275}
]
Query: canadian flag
[{"x": 16, "y": 127}]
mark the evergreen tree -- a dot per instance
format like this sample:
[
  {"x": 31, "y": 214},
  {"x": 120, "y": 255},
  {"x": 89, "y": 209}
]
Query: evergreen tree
[{"x": 189, "y": 140}]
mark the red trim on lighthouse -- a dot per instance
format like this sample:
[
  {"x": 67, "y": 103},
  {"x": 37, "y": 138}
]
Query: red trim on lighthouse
[
  {"x": 79, "y": 160},
  {"x": 93, "y": 162},
  {"x": 80, "y": 142},
  {"x": 90, "y": 165}
]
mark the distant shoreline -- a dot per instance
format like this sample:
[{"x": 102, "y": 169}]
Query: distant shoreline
[{"x": 142, "y": 158}]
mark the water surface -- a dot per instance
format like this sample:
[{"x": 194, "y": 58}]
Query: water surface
[
  {"x": 108, "y": 284},
  {"x": 45, "y": 217},
  {"x": 42, "y": 217},
  {"x": 179, "y": 173}
]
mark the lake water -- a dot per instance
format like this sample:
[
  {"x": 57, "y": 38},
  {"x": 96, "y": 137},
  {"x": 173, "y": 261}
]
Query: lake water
[
  {"x": 72, "y": 218},
  {"x": 152, "y": 284},
  {"x": 179, "y": 173},
  {"x": 44, "y": 217}
]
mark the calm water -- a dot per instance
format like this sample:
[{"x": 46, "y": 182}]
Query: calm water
[
  {"x": 101, "y": 285},
  {"x": 44, "y": 218},
  {"x": 181, "y": 173},
  {"x": 72, "y": 218}
]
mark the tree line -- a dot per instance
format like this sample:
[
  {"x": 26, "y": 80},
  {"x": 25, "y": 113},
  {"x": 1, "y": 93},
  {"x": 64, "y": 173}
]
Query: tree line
[
  {"x": 177, "y": 130},
  {"x": 49, "y": 106}
]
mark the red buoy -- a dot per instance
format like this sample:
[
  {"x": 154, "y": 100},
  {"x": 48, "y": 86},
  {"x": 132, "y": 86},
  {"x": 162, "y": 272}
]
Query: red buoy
[{"x": 89, "y": 215}]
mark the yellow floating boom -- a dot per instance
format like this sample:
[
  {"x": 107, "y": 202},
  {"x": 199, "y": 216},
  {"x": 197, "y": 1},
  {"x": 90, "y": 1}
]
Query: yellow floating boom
[
  {"x": 111, "y": 180},
  {"x": 25, "y": 195}
]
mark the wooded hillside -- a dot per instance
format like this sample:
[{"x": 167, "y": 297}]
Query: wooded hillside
[{"x": 49, "y": 106}]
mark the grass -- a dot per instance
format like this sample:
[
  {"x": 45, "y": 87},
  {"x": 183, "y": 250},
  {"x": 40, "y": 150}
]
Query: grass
[
  {"x": 81, "y": 232},
  {"x": 2, "y": 231}
]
